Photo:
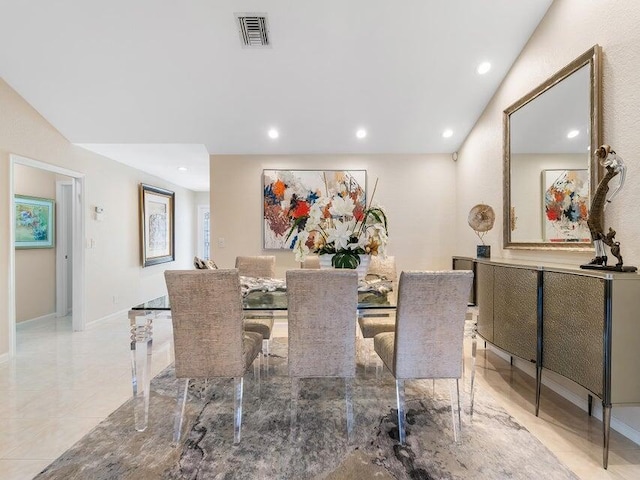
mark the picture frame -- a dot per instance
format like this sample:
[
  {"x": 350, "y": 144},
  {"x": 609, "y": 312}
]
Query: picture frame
[
  {"x": 34, "y": 222},
  {"x": 565, "y": 205},
  {"x": 157, "y": 225},
  {"x": 280, "y": 186}
]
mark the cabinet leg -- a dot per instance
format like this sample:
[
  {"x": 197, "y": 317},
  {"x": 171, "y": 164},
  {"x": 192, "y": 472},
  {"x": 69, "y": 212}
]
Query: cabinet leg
[
  {"x": 606, "y": 417},
  {"x": 538, "y": 387},
  {"x": 589, "y": 404}
]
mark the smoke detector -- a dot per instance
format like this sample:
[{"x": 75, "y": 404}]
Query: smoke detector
[{"x": 254, "y": 30}]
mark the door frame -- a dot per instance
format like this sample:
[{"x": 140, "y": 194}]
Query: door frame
[
  {"x": 78, "y": 307},
  {"x": 62, "y": 277}
]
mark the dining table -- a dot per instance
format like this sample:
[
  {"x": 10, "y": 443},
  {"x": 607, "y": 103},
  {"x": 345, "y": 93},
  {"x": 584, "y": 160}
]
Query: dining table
[{"x": 376, "y": 296}]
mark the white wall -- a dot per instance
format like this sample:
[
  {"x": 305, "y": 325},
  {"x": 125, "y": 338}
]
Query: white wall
[
  {"x": 417, "y": 192},
  {"x": 570, "y": 28},
  {"x": 113, "y": 265}
]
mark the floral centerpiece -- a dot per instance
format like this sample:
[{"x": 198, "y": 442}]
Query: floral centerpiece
[{"x": 339, "y": 226}]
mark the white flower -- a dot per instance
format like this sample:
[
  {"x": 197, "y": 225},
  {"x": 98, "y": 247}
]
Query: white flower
[
  {"x": 341, "y": 206},
  {"x": 340, "y": 234},
  {"x": 300, "y": 247}
]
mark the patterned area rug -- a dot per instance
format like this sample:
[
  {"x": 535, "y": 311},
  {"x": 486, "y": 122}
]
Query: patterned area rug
[{"x": 493, "y": 445}]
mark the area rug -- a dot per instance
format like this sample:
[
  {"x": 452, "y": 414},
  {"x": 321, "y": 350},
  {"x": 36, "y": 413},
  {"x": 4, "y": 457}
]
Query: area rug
[{"x": 492, "y": 444}]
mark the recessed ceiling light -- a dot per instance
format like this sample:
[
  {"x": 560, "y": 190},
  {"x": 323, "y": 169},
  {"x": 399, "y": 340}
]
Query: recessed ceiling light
[
  {"x": 273, "y": 133},
  {"x": 483, "y": 68},
  {"x": 447, "y": 133},
  {"x": 573, "y": 133},
  {"x": 182, "y": 169},
  {"x": 361, "y": 133}
]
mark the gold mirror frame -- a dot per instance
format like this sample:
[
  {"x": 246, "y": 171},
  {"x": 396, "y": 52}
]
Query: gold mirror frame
[{"x": 592, "y": 57}]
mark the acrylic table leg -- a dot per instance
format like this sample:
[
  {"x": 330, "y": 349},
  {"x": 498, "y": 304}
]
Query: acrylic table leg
[
  {"x": 606, "y": 418},
  {"x": 141, "y": 348},
  {"x": 538, "y": 387},
  {"x": 474, "y": 351}
]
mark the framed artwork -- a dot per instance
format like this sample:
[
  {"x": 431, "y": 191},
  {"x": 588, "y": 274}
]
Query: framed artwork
[
  {"x": 157, "y": 225},
  {"x": 285, "y": 190},
  {"x": 34, "y": 222},
  {"x": 565, "y": 208}
]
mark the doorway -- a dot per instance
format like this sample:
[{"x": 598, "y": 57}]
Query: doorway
[{"x": 76, "y": 229}]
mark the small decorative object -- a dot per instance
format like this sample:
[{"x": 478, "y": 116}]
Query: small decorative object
[
  {"x": 614, "y": 166},
  {"x": 340, "y": 227},
  {"x": 156, "y": 225},
  {"x": 34, "y": 222},
  {"x": 481, "y": 219}
]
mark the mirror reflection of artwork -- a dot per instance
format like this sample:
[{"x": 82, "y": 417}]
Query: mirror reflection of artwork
[{"x": 566, "y": 205}]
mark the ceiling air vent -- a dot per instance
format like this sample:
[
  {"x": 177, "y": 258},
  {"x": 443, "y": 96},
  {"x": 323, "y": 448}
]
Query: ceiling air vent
[{"x": 254, "y": 32}]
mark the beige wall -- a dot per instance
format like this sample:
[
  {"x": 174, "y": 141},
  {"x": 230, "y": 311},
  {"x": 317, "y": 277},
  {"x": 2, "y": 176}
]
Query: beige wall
[
  {"x": 570, "y": 28},
  {"x": 35, "y": 268},
  {"x": 113, "y": 265},
  {"x": 416, "y": 191}
]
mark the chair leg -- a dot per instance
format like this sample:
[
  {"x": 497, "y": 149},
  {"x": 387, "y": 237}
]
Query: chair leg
[
  {"x": 266, "y": 344},
  {"x": 453, "y": 409},
  {"x": 181, "y": 402},
  {"x": 401, "y": 411},
  {"x": 237, "y": 406},
  {"x": 295, "y": 391},
  {"x": 348, "y": 398},
  {"x": 474, "y": 348}
]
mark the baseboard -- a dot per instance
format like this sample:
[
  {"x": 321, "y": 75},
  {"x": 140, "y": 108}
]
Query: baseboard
[
  {"x": 111, "y": 316},
  {"x": 43, "y": 318},
  {"x": 573, "y": 397}
]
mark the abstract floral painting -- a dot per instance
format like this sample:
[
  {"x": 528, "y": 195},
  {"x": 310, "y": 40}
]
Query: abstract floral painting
[
  {"x": 289, "y": 194},
  {"x": 34, "y": 222},
  {"x": 565, "y": 205}
]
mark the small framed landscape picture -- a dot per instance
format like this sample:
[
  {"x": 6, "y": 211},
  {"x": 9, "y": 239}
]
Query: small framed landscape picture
[
  {"x": 156, "y": 225},
  {"x": 34, "y": 222}
]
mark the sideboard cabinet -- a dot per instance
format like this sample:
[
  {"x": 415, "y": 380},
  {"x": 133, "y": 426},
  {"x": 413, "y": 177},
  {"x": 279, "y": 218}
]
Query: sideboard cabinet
[{"x": 581, "y": 324}]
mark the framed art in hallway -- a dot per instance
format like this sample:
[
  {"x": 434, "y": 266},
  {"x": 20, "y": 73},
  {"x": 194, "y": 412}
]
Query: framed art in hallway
[
  {"x": 565, "y": 198},
  {"x": 34, "y": 222},
  {"x": 286, "y": 191},
  {"x": 157, "y": 235}
]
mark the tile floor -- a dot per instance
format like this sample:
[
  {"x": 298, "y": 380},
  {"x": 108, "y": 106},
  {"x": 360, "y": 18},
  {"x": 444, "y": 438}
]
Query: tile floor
[{"x": 62, "y": 384}]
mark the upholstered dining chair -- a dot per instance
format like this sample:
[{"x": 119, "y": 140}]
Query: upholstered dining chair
[
  {"x": 322, "y": 307},
  {"x": 260, "y": 266},
  {"x": 312, "y": 261},
  {"x": 372, "y": 324},
  {"x": 209, "y": 340},
  {"x": 428, "y": 338},
  {"x": 263, "y": 266}
]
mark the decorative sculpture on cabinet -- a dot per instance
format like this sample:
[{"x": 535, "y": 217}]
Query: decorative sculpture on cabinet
[{"x": 615, "y": 167}]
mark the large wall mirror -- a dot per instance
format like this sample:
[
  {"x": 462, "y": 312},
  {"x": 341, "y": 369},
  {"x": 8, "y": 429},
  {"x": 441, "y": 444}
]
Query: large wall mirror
[{"x": 549, "y": 171}]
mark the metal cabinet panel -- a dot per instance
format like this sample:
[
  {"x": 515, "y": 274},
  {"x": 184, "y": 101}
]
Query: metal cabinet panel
[
  {"x": 572, "y": 332},
  {"x": 484, "y": 274},
  {"x": 515, "y": 311}
]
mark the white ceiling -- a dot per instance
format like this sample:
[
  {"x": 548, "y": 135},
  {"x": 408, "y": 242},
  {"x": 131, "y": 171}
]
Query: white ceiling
[{"x": 159, "y": 83}]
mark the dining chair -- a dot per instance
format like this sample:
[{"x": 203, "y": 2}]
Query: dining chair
[
  {"x": 262, "y": 266},
  {"x": 322, "y": 308},
  {"x": 259, "y": 266},
  {"x": 208, "y": 336},
  {"x": 428, "y": 339},
  {"x": 312, "y": 261},
  {"x": 372, "y": 324}
]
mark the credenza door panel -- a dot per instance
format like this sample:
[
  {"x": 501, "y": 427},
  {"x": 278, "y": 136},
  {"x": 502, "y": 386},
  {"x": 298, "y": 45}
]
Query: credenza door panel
[
  {"x": 573, "y": 326},
  {"x": 515, "y": 317}
]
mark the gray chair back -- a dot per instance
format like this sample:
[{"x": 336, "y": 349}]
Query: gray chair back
[
  {"x": 430, "y": 324},
  {"x": 322, "y": 308},
  {"x": 262, "y": 266},
  {"x": 206, "y": 311},
  {"x": 383, "y": 267}
]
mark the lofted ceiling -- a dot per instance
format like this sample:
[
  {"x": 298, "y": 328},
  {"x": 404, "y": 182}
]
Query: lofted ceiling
[{"x": 158, "y": 84}]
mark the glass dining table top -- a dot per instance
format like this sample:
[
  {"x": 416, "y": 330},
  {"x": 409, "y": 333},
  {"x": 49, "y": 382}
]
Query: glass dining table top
[{"x": 370, "y": 297}]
